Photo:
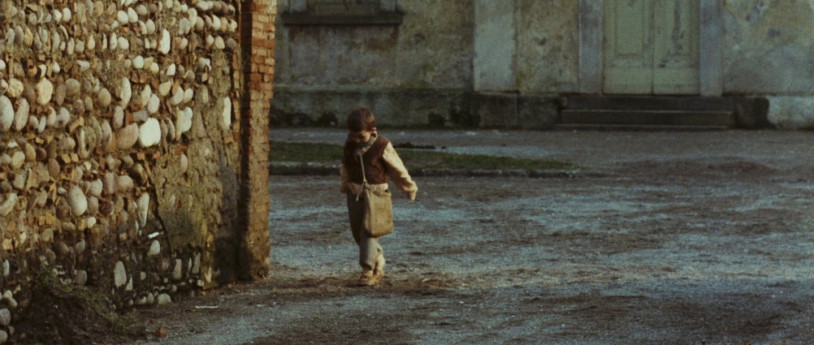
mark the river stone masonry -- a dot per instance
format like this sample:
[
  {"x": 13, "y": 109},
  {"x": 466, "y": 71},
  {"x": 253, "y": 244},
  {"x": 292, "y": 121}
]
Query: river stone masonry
[{"x": 120, "y": 150}]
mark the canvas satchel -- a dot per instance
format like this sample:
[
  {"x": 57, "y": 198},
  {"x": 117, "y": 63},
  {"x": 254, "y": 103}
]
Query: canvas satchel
[{"x": 378, "y": 206}]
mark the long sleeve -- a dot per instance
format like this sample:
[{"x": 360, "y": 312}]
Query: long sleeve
[{"x": 398, "y": 172}]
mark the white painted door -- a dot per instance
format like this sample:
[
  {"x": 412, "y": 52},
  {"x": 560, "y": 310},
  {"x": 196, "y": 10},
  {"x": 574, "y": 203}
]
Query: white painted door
[{"x": 651, "y": 47}]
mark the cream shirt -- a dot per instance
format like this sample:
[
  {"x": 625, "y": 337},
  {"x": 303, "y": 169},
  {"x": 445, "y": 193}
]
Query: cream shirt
[{"x": 396, "y": 171}]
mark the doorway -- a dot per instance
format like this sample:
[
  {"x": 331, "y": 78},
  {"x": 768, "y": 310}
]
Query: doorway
[{"x": 651, "y": 47}]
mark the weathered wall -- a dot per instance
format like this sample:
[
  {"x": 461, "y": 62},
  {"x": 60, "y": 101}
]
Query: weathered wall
[
  {"x": 524, "y": 55},
  {"x": 430, "y": 67},
  {"x": 527, "y": 46},
  {"x": 121, "y": 160},
  {"x": 495, "y": 47},
  {"x": 769, "y": 51},
  {"x": 547, "y": 49},
  {"x": 503, "y": 64},
  {"x": 398, "y": 63},
  {"x": 424, "y": 51}
]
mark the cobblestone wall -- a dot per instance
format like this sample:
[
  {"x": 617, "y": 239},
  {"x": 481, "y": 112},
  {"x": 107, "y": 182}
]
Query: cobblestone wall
[{"x": 124, "y": 128}]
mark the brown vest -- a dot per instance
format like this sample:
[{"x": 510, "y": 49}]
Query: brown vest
[{"x": 375, "y": 167}]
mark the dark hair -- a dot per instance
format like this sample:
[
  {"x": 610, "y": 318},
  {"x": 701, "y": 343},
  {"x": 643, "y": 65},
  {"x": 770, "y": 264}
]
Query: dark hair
[{"x": 361, "y": 119}]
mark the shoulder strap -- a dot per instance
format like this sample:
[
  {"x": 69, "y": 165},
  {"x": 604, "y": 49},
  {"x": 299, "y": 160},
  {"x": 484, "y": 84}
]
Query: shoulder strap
[
  {"x": 364, "y": 179},
  {"x": 362, "y": 162}
]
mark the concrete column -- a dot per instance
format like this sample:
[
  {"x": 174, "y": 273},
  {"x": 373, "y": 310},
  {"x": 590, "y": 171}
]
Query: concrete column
[
  {"x": 710, "y": 48},
  {"x": 590, "y": 46},
  {"x": 495, "y": 46},
  {"x": 257, "y": 44}
]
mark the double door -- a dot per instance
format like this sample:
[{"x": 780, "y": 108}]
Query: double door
[{"x": 651, "y": 47}]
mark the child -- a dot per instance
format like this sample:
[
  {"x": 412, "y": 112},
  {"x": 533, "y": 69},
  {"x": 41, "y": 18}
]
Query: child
[{"x": 380, "y": 162}]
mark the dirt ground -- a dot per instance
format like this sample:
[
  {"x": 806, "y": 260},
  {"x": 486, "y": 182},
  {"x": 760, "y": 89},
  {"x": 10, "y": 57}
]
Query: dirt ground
[{"x": 663, "y": 238}]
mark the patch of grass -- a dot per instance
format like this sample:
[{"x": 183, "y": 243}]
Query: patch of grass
[
  {"x": 413, "y": 158},
  {"x": 439, "y": 160},
  {"x": 305, "y": 152}
]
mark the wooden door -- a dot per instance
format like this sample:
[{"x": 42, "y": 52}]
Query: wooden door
[{"x": 651, "y": 47}]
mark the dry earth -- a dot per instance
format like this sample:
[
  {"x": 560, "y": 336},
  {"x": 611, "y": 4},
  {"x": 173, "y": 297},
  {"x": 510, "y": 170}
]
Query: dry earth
[{"x": 676, "y": 238}]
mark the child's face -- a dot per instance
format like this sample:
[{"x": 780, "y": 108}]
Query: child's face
[{"x": 359, "y": 137}]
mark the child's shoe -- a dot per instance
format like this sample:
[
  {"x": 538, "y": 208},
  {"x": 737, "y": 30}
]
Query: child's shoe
[
  {"x": 369, "y": 278},
  {"x": 380, "y": 262},
  {"x": 378, "y": 276},
  {"x": 378, "y": 271}
]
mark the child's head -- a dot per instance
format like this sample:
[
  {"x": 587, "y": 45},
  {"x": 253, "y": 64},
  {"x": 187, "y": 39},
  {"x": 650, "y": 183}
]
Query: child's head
[{"x": 361, "y": 125}]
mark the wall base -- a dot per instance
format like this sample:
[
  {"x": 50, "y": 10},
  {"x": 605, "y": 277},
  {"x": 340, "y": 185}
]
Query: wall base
[
  {"x": 427, "y": 108},
  {"x": 421, "y": 108},
  {"x": 791, "y": 112}
]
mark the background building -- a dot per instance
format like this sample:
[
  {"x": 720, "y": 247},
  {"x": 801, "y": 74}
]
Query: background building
[{"x": 537, "y": 64}]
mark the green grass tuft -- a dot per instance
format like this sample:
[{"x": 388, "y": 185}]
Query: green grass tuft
[
  {"x": 413, "y": 158},
  {"x": 305, "y": 152}
]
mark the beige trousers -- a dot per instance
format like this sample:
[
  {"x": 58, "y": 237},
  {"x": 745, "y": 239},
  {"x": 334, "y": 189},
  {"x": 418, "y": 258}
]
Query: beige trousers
[{"x": 371, "y": 253}]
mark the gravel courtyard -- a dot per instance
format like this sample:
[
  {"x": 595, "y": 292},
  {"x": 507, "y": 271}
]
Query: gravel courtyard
[{"x": 662, "y": 238}]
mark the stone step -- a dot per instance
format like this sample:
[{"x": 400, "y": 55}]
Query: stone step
[
  {"x": 636, "y": 128},
  {"x": 716, "y": 118},
  {"x": 648, "y": 102}
]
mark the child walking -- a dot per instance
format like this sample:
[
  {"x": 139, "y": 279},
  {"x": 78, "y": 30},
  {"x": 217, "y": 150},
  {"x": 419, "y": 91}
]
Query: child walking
[{"x": 366, "y": 149}]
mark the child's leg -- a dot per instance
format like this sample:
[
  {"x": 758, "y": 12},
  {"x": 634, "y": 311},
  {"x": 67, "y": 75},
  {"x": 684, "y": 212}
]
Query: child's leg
[
  {"x": 379, "y": 269},
  {"x": 356, "y": 213},
  {"x": 371, "y": 255},
  {"x": 369, "y": 252},
  {"x": 371, "y": 258}
]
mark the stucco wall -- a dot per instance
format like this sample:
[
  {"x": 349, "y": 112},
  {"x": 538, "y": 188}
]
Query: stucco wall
[
  {"x": 547, "y": 46},
  {"x": 769, "y": 47},
  {"x": 120, "y": 150},
  {"x": 769, "y": 51},
  {"x": 527, "y": 48},
  {"x": 425, "y": 50},
  {"x": 495, "y": 46},
  {"x": 426, "y": 67},
  {"x": 330, "y": 69},
  {"x": 432, "y": 51}
]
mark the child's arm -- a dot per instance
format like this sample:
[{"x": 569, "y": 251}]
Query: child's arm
[{"x": 398, "y": 172}]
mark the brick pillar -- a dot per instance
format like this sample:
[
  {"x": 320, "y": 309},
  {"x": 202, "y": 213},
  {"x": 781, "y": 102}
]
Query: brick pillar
[{"x": 257, "y": 65}]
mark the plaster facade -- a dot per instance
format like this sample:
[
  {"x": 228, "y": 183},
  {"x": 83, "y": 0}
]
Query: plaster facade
[
  {"x": 398, "y": 70},
  {"x": 488, "y": 59},
  {"x": 547, "y": 50},
  {"x": 769, "y": 50}
]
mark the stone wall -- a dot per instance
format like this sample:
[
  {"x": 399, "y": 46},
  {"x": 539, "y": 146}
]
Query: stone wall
[{"x": 124, "y": 128}]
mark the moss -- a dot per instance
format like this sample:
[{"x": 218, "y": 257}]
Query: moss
[{"x": 60, "y": 313}]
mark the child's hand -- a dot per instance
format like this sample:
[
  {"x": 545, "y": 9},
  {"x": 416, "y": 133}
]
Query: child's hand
[{"x": 411, "y": 195}]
